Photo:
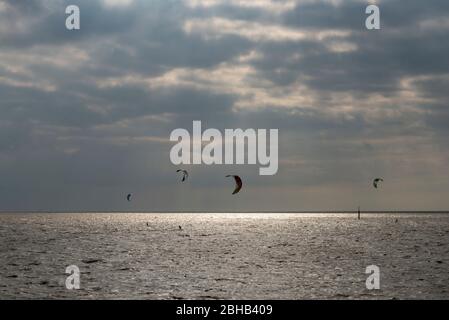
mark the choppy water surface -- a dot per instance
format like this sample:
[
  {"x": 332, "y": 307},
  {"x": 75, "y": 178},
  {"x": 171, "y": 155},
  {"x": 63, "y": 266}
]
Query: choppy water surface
[{"x": 223, "y": 256}]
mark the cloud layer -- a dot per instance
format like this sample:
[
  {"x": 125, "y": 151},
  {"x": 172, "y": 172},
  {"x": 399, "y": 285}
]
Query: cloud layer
[{"x": 86, "y": 115}]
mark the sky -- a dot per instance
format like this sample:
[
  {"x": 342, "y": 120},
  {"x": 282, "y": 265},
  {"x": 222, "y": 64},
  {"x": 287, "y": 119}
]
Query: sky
[{"x": 86, "y": 115}]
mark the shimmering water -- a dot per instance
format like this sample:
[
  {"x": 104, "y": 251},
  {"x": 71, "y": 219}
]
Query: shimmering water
[{"x": 223, "y": 256}]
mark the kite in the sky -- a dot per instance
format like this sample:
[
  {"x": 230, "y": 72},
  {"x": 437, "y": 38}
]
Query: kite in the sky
[
  {"x": 185, "y": 174},
  {"x": 238, "y": 183},
  {"x": 128, "y": 197},
  {"x": 376, "y": 182}
]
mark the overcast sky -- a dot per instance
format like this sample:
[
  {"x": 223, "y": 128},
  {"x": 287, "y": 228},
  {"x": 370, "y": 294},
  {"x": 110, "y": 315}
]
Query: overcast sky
[{"x": 86, "y": 115}]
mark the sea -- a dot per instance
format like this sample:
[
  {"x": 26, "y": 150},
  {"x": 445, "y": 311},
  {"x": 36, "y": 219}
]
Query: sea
[{"x": 224, "y": 256}]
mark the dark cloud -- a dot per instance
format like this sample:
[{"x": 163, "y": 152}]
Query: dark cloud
[{"x": 401, "y": 48}]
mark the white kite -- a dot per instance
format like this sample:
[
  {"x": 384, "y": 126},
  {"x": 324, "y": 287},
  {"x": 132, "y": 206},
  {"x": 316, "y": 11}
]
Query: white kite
[{"x": 185, "y": 174}]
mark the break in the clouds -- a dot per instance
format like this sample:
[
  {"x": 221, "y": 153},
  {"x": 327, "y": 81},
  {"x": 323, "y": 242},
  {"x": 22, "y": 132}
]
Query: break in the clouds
[{"x": 86, "y": 115}]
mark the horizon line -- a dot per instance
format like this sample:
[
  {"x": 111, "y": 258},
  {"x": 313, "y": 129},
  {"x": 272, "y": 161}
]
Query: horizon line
[{"x": 225, "y": 211}]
